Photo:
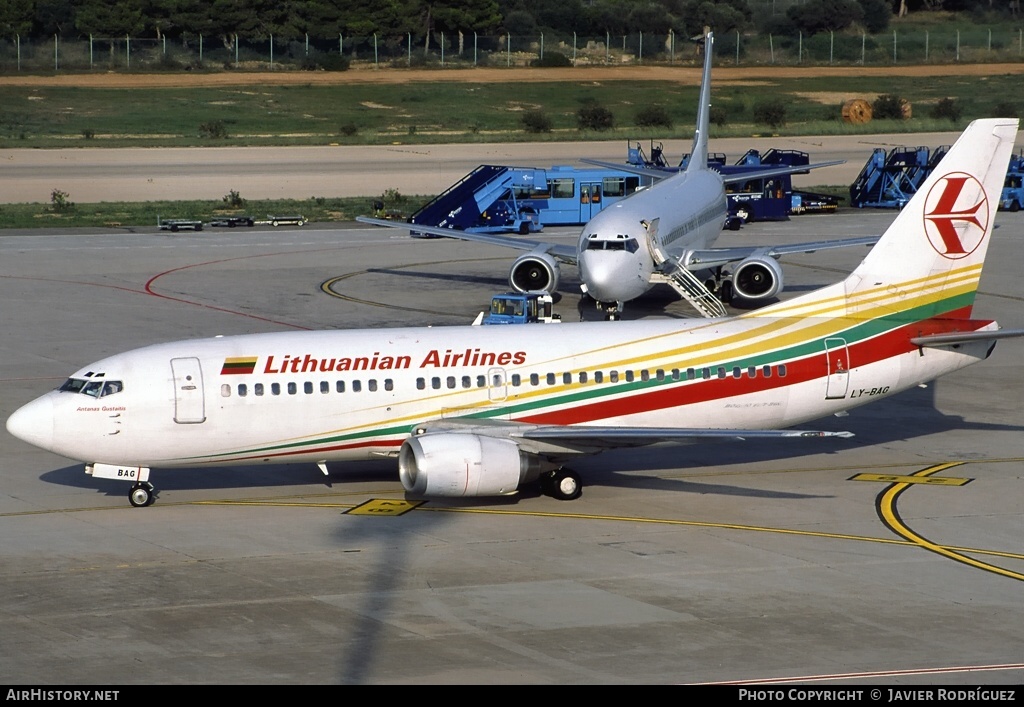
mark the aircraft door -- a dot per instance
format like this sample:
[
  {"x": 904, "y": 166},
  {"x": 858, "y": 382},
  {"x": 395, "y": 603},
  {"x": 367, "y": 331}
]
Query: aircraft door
[
  {"x": 591, "y": 200},
  {"x": 497, "y": 384},
  {"x": 837, "y": 361},
  {"x": 189, "y": 404}
]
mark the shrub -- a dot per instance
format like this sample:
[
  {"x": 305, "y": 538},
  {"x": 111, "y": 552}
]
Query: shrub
[
  {"x": 595, "y": 117},
  {"x": 1005, "y": 109},
  {"x": 653, "y": 116},
  {"x": 349, "y": 129},
  {"x": 552, "y": 59},
  {"x": 59, "y": 201},
  {"x": 772, "y": 113},
  {"x": 947, "y": 108},
  {"x": 887, "y": 106},
  {"x": 718, "y": 115},
  {"x": 214, "y": 129},
  {"x": 535, "y": 121},
  {"x": 234, "y": 200}
]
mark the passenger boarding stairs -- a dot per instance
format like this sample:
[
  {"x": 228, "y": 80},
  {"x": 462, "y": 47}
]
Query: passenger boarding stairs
[
  {"x": 484, "y": 200},
  {"x": 889, "y": 180},
  {"x": 676, "y": 275}
]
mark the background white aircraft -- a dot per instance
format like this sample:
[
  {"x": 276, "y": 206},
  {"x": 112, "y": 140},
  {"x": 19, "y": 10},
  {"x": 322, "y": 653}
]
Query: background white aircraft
[
  {"x": 660, "y": 234},
  {"x": 482, "y": 410}
]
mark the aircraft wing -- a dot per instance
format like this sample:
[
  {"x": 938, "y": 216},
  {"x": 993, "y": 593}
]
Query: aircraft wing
[
  {"x": 564, "y": 253},
  {"x": 649, "y": 172},
  {"x": 654, "y": 173},
  {"x": 713, "y": 257},
  {"x": 560, "y": 440}
]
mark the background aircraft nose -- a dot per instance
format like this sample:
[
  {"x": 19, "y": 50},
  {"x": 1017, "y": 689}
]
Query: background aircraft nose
[{"x": 33, "y": 423}]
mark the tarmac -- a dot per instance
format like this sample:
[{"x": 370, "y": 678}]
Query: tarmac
[{"x": 892, "y": 558}]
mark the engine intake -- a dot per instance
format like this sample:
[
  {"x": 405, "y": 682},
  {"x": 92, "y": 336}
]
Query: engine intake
[
  {"x": 459, "y": 464},
  {"x": 757, "y": 278},
  {"x": 534, "y": 272}
]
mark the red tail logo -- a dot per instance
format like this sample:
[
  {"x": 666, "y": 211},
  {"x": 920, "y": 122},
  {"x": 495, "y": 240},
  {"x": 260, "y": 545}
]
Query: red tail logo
[{"x": 955, "y": 226}]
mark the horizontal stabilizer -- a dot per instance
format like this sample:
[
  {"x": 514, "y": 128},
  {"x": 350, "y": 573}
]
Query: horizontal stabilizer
[{"x": 935, "y": 340}]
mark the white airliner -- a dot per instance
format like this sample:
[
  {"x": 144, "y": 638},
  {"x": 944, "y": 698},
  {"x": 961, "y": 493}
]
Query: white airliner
[
  {"x": 482, "y": 410},
  {"x": 661, "y": 234}
]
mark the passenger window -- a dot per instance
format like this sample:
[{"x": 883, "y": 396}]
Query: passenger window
[
  {"x": 645, "y": 375},
  {"x": 567, "y": 378},
  {"x": 551, "y": 379},
  {"x": 307, "y": 387},
  {"x": 371, "y": 385},
  {"x": 660, "y": 374},
  {"x": 706, "y": 373},
  {"x": 481, "y": 381},
  {"x": 243, "y": 390},
  {"x": 752, "y": 371},
  {"x": 613, "y": 376},
  {"x": 292, "y": 389},
  {"x": 721, "y": 371},
  {"x": 583, "y": 376},
  {"x": 275, "y": 388},
  {"x": 225, "y": 390},
  {"x": 534, "y": 379},
  {"x": 736, "y": 372},
  {"x": 782, "y": 369},
  {"x": 435, "y": 383},
  {"x": 629, "y": 376},
  {"x": 356, "y": 386},
  {"x": 691, "y": 374},
  {"x": 766, "y": 371},
  {"x": 325, "y": 387},
  {"x": 389, "y": 384},
  {"x": 258, "y": 389},
  {"x": 467, "y": 382},
  {"x": 340, "y": 386},
  {"x": 598, "y": 376},
  {"x": 516, "y": 380},
  {"x": 421, "y": 384},
  {"x": 675, "y": 374},
  {"x": 451, "y": 382}
]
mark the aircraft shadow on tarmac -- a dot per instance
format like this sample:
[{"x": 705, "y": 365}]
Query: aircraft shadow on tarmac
[{"x": 904, "y": 416}]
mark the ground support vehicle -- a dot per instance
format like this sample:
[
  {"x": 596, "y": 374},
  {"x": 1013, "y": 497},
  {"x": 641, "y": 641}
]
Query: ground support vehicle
[
  {"x": 520, "y": 308},
  {"x": 1013, "y": 188},
  {"x": 232, "y": 221},
  {"x": 179, "y": 224},
  {"x": 291, "y": 220}
]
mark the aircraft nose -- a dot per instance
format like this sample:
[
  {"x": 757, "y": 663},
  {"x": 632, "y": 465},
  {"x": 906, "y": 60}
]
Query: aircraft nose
[
  {"x": 33, "y": 423},
  {"x": 607, "y": 280}
]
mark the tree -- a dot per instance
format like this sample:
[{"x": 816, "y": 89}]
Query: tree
[
  {"x": 825, "y": 15},
  {"x": 15, "y": 17}
]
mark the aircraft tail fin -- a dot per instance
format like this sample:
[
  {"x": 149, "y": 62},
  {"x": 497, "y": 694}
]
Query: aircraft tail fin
[
  {"x": 928, "y": 262},
  {"x": 699, "y": 151}
]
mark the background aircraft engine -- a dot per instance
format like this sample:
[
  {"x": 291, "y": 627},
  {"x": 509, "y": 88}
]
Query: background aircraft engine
[
  {"x": 454, "y": 464},
  {"x": 757, "y": 278},
  {"x": 534, "y": 272}
]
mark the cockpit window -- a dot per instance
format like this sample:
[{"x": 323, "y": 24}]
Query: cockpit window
[
  {"x": 628, "y": 244},
  {"x": 73, "y": 385},
  {"x": 95, "y": 389}
]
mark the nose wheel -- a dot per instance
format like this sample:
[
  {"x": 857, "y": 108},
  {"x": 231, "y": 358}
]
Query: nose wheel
[{"x": 141, "y": 495}]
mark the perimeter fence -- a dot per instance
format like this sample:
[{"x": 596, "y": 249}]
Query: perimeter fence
[{"x": 464, "y": 50}]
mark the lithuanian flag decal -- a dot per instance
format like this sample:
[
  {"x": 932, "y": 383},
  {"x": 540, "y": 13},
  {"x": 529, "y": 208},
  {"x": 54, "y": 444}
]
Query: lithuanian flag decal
[{"x": 238, "y": 366}]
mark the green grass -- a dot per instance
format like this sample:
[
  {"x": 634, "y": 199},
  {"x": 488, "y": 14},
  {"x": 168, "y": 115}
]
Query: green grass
[
  {"x": 117, "y": 214},
  {"x": 423, "y": 113}
]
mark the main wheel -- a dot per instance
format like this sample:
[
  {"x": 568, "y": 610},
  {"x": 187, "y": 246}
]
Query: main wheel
[
  {"x": 564, "y": 485},
  {"x": 1015, "y": 206},
  {"x": 141, "y": 495}
]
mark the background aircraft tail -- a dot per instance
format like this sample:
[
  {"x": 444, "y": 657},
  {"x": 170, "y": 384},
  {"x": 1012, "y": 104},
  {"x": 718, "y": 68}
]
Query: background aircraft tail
[
  {"x": 928, "y": 262},
  {"x": 699, "y": 151}
]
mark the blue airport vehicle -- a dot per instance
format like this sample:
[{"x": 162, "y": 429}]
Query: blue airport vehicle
[
  {"x": 889, "y": 179},
  {"x": 1013, "y": 188}
]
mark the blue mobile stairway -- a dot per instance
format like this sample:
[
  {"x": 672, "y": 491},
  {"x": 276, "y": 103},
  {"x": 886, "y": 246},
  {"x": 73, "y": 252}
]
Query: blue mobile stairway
[
  {"x": 889, "y": 179},
  {"x": 484, "y": 201}
]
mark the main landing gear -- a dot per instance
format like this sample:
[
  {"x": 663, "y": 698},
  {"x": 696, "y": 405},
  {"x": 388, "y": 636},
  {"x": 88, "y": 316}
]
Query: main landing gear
[
  {"x": 142, "y": 494},
  {"x": 561, "y": 484}
]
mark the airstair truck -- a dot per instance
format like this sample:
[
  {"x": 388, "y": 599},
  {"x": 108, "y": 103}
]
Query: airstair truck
[{"x": 520, "y": 308}]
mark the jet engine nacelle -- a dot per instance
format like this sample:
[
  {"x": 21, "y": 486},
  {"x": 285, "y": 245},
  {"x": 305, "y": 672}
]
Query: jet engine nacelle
[
  {"x": 757, "y": 277},
  {"x": 459, "y": 464},
  {"x": 534, "y": 272}
]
